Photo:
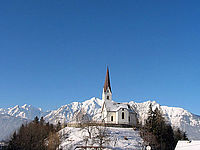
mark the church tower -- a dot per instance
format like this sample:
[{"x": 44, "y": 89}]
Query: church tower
[{"x": 107, "y": 93}]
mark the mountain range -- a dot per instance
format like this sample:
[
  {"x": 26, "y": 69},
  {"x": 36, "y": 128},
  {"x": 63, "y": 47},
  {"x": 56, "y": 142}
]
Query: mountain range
[{"x": 12, "y": 118}]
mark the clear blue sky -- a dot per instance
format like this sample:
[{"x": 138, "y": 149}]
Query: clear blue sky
[{"x": 56, "y": 52}]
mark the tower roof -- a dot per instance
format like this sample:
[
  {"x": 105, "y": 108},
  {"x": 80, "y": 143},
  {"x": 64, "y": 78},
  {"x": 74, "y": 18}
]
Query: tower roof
[{"x": 107, "y": 82}]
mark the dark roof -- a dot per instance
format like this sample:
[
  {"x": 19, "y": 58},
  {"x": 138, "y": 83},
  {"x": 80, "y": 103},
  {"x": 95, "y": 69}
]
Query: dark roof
[{"x": 107, "y": 81}]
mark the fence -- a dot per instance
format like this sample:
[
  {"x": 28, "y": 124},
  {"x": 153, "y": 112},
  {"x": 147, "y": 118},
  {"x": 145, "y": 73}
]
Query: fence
[{"x": 77, "y": 125}]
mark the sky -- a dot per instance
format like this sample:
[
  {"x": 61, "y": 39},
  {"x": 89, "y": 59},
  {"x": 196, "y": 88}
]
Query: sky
[{"x": 55, "y": 52}]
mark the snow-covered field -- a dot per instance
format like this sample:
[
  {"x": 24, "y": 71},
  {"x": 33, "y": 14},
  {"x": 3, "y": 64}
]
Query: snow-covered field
[
  {"x": 118, "y": 138},
  {"x": 12, "y": 118}
]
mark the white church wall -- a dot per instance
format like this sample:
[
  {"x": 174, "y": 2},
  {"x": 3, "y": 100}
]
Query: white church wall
[
  {"x": 113, "y": 114},
  {"x": 117, "y": 117},
  {"x": 104, "y": 115},
  {"x": 126, "y": 116}
]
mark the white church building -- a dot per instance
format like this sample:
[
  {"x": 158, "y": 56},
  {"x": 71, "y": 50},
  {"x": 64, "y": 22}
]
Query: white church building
[{"x": 113, "y": 112}]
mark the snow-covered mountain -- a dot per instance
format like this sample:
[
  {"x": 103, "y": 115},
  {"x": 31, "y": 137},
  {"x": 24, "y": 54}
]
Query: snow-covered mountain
[
  {"x": 12, "y": 118},
  {"x": 8, "y": 124},
  {"x": 26, "y": 112},
  {"x": 65, "y": 113},
  {"x": 178, "y": 117}
]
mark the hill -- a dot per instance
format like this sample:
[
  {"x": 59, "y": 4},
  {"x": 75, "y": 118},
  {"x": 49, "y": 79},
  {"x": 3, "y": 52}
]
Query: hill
[{"x": 122, "y": 138}]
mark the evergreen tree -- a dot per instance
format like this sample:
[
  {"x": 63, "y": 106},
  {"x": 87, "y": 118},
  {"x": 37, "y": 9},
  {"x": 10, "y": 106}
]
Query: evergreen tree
[
  {"x": 184, "y": 136},
  {"x": 36, "y": 120},
  {"x": 150, "y": 119},
  {"x": 58, "y": 126},
  {"x": 42, "y": 121},
  {"x": 162, "y": 135},
  {"x": 179, "y": 135}
]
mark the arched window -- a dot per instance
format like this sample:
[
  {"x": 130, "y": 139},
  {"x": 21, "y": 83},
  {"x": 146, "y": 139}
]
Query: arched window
[
  {"x": 107, "y": 97},
  {"x": 111, "y": 118},
  {"x": 122, "y": 115}
]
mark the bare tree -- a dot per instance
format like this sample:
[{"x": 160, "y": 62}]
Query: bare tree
[
  {"x": 101, "y": 135},
  {"x": 53, "y": 141},
  {"x": 96, "y": 133}
]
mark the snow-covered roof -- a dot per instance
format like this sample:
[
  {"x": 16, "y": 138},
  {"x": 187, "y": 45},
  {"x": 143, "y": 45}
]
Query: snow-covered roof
[
  {"x": 114, "y": 106},
  {"x": 188, "y": 145}
]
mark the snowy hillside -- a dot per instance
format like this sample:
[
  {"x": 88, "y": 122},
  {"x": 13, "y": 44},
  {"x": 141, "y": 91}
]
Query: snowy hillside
[
  {"x": 12, "y": 118},
  {"x": 8, "y": 124},
  {"x": 66, "y": 112},
  {"x": 178, "y": 117},
  {"x": 119, "y": 138},
  {"x": 183, "y": 119}
]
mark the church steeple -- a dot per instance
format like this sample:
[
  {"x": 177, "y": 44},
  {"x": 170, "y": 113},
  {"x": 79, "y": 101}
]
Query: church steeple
[
  {"x": 107, "y": 82},
  {"x": 107, "y": 93}
]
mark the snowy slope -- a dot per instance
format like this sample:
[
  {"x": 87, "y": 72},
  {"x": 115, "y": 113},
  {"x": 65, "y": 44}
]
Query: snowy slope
[
  {"x": 119, "y": 138},
  {"x": 178, "y": 117},
  {"x": 8, "y": 124},
  {"x": 183, "y": 119},
  {"x": 66, "y": 112},
  {"x": 12, "y": 118}
]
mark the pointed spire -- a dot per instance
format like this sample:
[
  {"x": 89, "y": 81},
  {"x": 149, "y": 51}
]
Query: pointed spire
[{"x": 107, "y": 82}]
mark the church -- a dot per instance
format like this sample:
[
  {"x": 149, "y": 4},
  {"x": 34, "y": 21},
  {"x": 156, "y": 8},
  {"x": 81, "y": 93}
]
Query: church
[{"x": 113, "y": 112}]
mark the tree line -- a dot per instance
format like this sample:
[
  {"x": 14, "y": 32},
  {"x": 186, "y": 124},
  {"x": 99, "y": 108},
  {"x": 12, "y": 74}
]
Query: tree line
[{"x": 36, "y": 135}]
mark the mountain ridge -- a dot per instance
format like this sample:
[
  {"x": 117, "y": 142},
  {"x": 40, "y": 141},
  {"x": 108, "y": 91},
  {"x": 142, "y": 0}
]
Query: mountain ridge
[{"x": 176, "y": 116}]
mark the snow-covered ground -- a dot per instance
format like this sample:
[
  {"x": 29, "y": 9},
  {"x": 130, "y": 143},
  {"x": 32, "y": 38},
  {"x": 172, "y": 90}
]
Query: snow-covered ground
[
  {"x": 118, "y": 138},
  {"x": 188, "y": 145},
  {"x": 13, "y": 117}
]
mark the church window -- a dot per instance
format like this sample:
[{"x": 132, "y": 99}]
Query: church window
[
  {"x": 122, "y": 115},
  {"x": 122, "y": 109},
  {"x": 107, "y": 97},
  {"x": 111, "y": 118},
  {"x": 129, "y": 119}
]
